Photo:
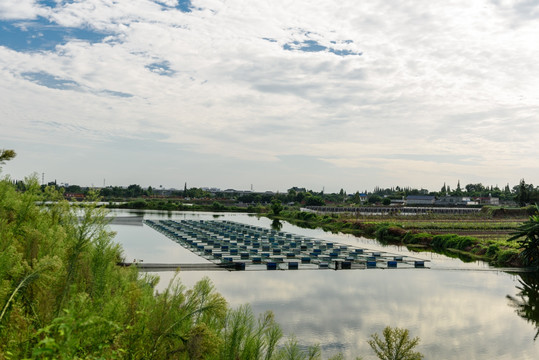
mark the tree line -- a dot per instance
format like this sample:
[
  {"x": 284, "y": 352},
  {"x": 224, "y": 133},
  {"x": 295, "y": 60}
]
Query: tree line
[{"x": 522, "y": 194}]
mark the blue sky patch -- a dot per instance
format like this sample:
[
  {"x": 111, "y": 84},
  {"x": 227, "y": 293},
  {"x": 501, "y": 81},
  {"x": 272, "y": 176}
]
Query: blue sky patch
[
  {"x": 115, "y": 93},
  {"x": 343, "y": 52},
  {"x": 184, "y": 5},
  {"x": 55, "y": 82},
  {"x": 48, "y": 80},
  {"x": 42, "y": 35},
  {"x": 314, "y": 46},
  {"x": 311, "y": 46},
  {"x": 161, "y": 68},
  {"x": 48, "y": 3}
]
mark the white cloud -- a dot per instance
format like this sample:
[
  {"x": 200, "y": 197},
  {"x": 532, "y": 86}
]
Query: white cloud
[
  {"x": 433, "y": 78},
  {"x": 20, "y": 9}
]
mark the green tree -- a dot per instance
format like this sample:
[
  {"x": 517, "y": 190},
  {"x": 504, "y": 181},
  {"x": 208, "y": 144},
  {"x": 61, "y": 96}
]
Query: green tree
[
  {"x": 314, "y": 200},
  {"x": 217, "y": 206},
  {"x": 395, "y": 345},
  {"x": 6, "y": 155},
  {"x": 373, "y": 199},
  {"x": 458, "y": 190},
  {"x": 523, "y": 193},
  {"x": 276, "y": 206},
  {"x": 527, "y": 236},
  {"x": 134, "y": 190}
]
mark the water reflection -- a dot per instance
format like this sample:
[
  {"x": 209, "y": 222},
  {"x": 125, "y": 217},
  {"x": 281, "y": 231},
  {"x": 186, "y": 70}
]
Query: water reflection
[
  {"x": 526, "y": 301},
  {"x": 457, "y": 314},
  {"x": 276, "y": 225}
]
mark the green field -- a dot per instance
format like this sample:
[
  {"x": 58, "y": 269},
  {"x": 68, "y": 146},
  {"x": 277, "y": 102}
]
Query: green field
[{"x": 472, "y": 237}]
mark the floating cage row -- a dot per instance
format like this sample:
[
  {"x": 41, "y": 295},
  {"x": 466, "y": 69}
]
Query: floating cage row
[{"x": 239, "y": 245}]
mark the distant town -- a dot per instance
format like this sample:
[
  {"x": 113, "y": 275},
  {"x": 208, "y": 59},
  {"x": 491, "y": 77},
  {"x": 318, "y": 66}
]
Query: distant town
[{"x": 468, "y": 195}]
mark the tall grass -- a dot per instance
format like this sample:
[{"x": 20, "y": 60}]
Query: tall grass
[{"x": 63, "y": 297}]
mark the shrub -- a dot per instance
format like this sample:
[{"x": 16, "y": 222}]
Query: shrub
[
  {"x": 452, "y": 241},
  {"x": 389, "y": 233},
  {"x": 138, "y": 204},
  {"x": 508, "y": 257},
  {"x": 306, "y": 216},
  {"x": 492, "y": 249},
  {"x": 396, "y": 344},
  {"x": 417, "y": 238},
  {"x": 62, "y": 296},
  {"x": 217, "y": 206}
]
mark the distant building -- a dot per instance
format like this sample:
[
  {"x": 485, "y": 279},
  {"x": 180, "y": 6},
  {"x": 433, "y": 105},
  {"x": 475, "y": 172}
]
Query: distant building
[
  {"x": 420, "y": 199},
  {"x": 487, "y": 200},
  {"x": 72, "y": 196},
  {"x": 211, "y": 190},
  {"x": 398, "y": 202},
  {"x": 452, "y": 201}
]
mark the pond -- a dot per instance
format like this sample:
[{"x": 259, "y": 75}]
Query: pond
[{"x": 459, "y": 310}]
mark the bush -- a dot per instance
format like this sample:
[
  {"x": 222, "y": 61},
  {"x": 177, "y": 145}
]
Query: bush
[
  {"x": 492, "y": 249},
  {"x": 138, "y": 204},
  {"x": 417, "y": 238},
  {"x": 387, "y": 233},
  {"x": 62, "y": 296},
  {"x": 314, "y": 201},
  {"x": 509, "y": 257},
  {"x": 396, "y": 344},
  {"x": 217, "y": 206},
  {"x": 452, "y": 241},
  {"x": 306, "y": 216}
]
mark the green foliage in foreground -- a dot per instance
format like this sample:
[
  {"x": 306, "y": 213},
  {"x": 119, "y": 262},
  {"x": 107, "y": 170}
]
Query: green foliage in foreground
[
  {"x": 527, "y": 236},
  {"x": 62, "y": 296},
  {"x": 396, "y": 344},
  {"x": 6, "y": 155}
]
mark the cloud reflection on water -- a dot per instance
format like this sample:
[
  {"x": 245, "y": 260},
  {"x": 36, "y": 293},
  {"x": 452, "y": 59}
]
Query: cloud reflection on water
[
  {"x": 457, "y": 314},
  {"x": 341, "y": 309}
]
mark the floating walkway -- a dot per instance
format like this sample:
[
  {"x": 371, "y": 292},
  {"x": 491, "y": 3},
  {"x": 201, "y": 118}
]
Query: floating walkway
[{"x": 237, "y": 246}]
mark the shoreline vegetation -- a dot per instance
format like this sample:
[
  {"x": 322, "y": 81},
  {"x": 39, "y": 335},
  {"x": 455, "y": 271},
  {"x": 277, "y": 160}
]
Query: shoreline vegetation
[
  {"x": 62, "y": 296},
  {"x": 485, "y": 236},
  {"x": 475, "y": 237},
  {"x": 481, "y": 236}
]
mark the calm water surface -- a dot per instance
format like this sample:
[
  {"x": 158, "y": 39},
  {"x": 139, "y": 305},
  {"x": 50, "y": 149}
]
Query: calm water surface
[{"x": 459, "y": 310}]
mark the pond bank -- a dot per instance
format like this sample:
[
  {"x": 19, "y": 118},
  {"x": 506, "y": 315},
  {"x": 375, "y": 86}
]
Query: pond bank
[{"x": 417, "y": 234}]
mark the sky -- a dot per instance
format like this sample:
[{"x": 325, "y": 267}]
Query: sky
[{"x": 271, "y": 94}]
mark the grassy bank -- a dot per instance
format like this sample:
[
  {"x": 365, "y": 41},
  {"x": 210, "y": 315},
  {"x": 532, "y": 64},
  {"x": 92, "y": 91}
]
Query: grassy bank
[
  {"x": 62, "y": 296},
  {"x": 470, "y": 237},
  {"x": 177, "y": 205}
]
